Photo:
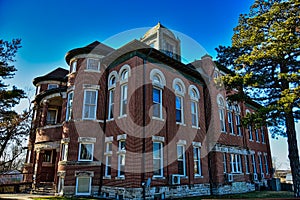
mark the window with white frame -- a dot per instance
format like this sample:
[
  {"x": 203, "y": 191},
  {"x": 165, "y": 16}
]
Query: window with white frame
[
  {"x": 52, "y": 86},
  {"x": 238, "y": 119},
  {"x": 90, "y": 104},
  {"x": 28, "y": 156},
  {"x": 262, "y": 131},
  {"x": 181, "y": 160},
  {"x": 230, "y": 118},
  {"x": 257, "y": 135},
  {"x": 253, "y": 163},
  {"x": 123, "y": 109},
  {"x": 246, "y": 163},
  {"x": 266, "y": 163},
  {"x": 69, "y": 106},
  {"x": 158, "y": 83},
  {"x": 73, "y": 66},
  {"x": 179, "y": 109},
  {"x": 111, "y": 92},
  {"x": 236, "y": 163},
  {"x": 93, "y": 64},
  {"x": 86, "y": 151},
  {"x": 64, "y": 151},
  {"x": 121, "y": 158},
  {"x": 224, "y": 163},
  {"x": 51, "y": 116},
  {"x": 158, "y": 159},
  {"x": 197, "y": 161},
  {"x": 179, "y": 89},
  {"x": 83, "y": 185},
  {"x": 194, "y": 96},
  {"x": 157, "y": 102},
  {"x": 221, "y": 106},
  {"x": 108, "y": 156},
  {"x": 260, "y": 164},
  {"x": 250, "y": 133}
]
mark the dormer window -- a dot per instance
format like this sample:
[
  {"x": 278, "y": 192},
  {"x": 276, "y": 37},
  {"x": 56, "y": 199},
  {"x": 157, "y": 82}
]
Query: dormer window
[{"x": 52, "y": 86}]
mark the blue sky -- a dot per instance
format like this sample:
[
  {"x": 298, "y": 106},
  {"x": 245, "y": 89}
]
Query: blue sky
[{"x": 50, "y": 28}]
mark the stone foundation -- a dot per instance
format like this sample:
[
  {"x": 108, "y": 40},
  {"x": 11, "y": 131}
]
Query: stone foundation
[
  {"x": 235, "y": 187},
  {"x": 160, "y": 192}
]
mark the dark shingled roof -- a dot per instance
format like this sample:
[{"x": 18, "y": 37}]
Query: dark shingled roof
[
  {"x": 58, "y": 74},
  {"x": 95, "y": 47}
]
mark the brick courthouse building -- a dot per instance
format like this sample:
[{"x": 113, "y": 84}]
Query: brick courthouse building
[{"x": 136, "y": 122}]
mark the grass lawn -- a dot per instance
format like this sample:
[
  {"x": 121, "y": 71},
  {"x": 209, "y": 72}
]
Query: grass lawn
[{"x": 250, "y": 195}]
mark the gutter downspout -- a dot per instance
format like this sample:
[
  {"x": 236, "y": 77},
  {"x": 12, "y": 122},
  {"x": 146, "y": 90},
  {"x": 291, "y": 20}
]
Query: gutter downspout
[
  {"x": 143, "y": 183},
  {"x": 103, "y": 136}
]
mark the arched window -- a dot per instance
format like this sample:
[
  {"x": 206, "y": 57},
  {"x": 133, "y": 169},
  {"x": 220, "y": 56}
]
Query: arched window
[
  {"x": 221, "y": 106},
  {"x": 230, "y": 117},
  {"x": 158, "y": 83},
  {"x": 194, "y": 98},
  {"x": 179, "y": 89},
  {"x": 250, "y": 127},
  {"x": 237, "y": 111},
  {"x": 124, "y": 75},
  {"x": 112, "y": 79}
]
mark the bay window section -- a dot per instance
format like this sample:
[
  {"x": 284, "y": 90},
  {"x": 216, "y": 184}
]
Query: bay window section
[
  {"x": 69, "y": 106},
  {"x": 121, "y": 158},
  {"x": 90, "y": 104},
  {"x": 108, "y": 156},
  {"x": 86, "y": 151},
  {"x": 111, "y": 104},
  {"x": 93, "y": 64}
]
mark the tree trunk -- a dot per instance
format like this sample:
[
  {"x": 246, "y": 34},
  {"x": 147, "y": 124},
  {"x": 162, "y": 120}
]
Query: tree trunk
[{"x": 293, "y": 152}]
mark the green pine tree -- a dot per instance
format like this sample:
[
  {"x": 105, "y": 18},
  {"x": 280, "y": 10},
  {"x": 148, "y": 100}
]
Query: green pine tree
[
  {"x": 13, "y": 126},
  {"x": 265, "y": 58}
]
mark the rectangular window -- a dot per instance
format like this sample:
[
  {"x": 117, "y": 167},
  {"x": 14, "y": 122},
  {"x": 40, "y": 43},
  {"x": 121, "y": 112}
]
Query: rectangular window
[
  {"x": 181, "y": 160},
  {"x": 260, "y": 164},
  {"x": 108, "y": 159},
  {"x": 238, "y": 125},
  {"x": 179, "y": 110},
  {"x": 28, "y": 155},
  {"x": 157, "y": 159},
  {"x": 51, "y": 117},
  {"x": 224, "y": 163},
  {"x": 236, "y": 163},
  {"x": 111, "y": 104},
  {"x": 197, "y": 161},
  {"x": 121, "y": 158},
  {"x": 194, "y": 111},
  {"x": 266, "y": 164},
  {"x": 83, "y": 185},
  {"x": 90, "y": 104},
  {"x": 246, "y": 163},
  {"x": 47, "y": 156},
  {"x": 157, "y": 102},
  {"x": 230, "y": 122},
  {"x": 52, "y": 86},
  {"x": 257, "y": 135},
  {"x": 64, "y": 151},
  {"x": 69, "y": 106},
  {"x": 262, "y": 135},
  {"x": 250, "y": 132},
  {"x": 124, "y": 89},
  {"x": 86, "y": 151},
  {"x": 253, "y": 163},
  {"x": 93, "y": 64},
  {"x": 222, "y": 120}
]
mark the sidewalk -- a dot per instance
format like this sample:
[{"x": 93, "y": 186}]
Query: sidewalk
[{"x": 21, "y": 196}]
